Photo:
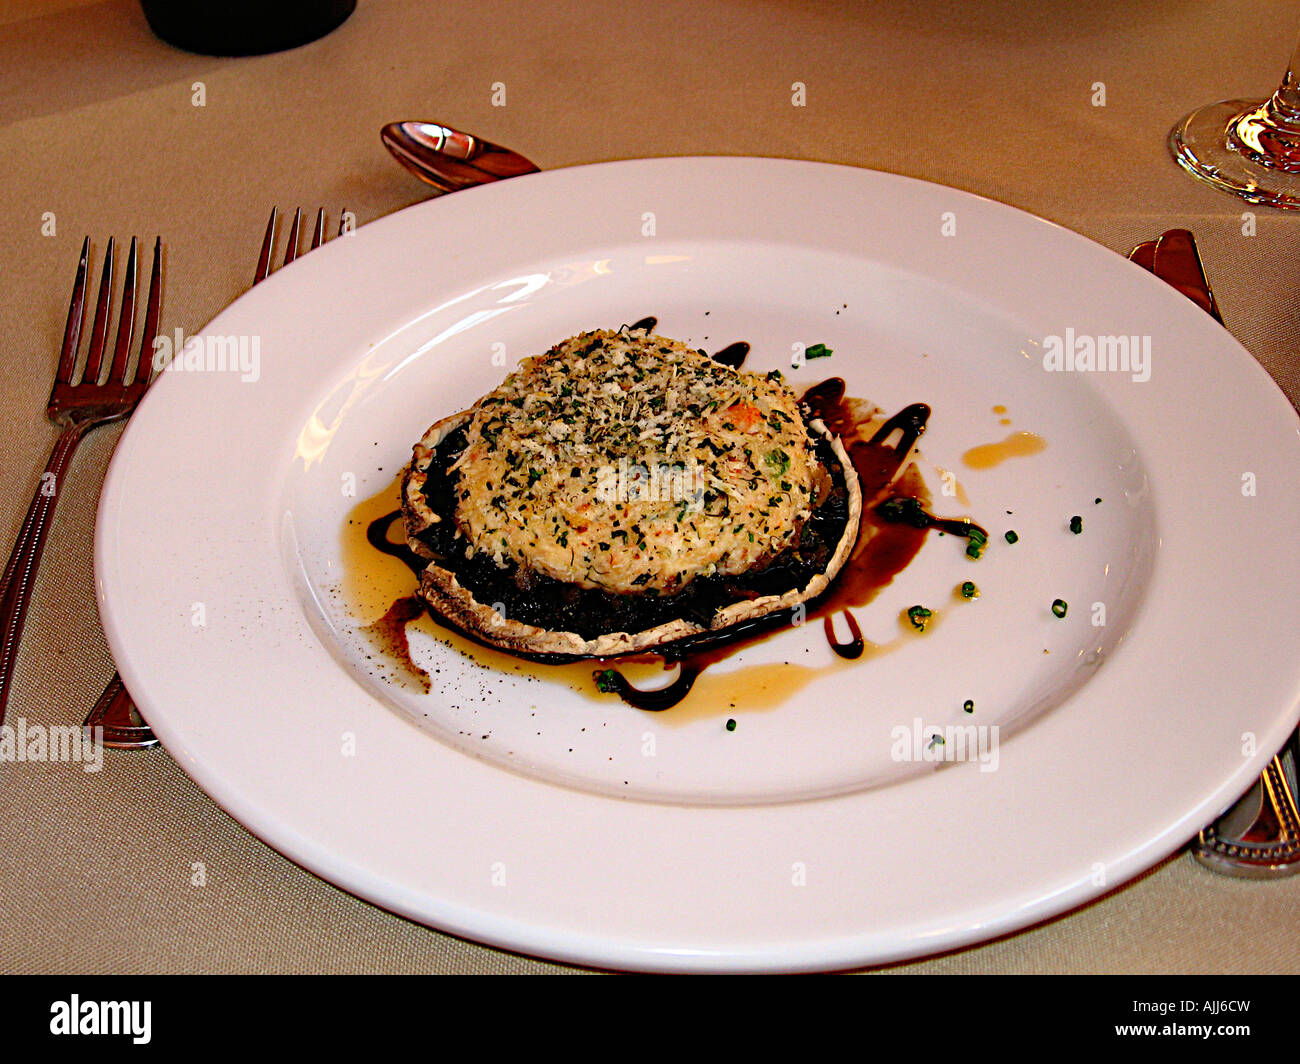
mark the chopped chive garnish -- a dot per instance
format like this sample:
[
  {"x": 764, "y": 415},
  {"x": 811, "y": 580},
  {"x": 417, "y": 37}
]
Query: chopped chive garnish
[
  {"x": 1076, "y": 524},
  {"x": 778, "y": 461},
  {"x": 904, "y": 510},
  {"x": 818, "y": 351},
  {"x": 919, "y": 617},
  {"x": 969, "y": 590},
  {"x": 968, "y": 706},
  {"x": 606, "y": 680},
  {"x": 731, "y": 724},
  {"x": 1011, "y": 537},
  {"x": 1059, "y": 607},
  {"x": 978, "y": 541}
]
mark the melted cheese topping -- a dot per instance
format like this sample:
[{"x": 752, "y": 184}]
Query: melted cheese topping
[{"x": 631, "y": 462}]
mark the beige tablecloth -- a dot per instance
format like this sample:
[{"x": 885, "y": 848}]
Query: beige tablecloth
[{"x": 100, "y": 134}]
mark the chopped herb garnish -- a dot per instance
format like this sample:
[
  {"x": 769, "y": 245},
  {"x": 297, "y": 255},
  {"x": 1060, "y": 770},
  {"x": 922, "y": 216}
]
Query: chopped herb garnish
[
  {"x": 968, "y": 706},
  {"x": 919, "y": 617},
  {"x": 731, "y": 724},
  {"x": 1076, "y": 524},
  {"x": 978, "y": 541},
  {"x": 818, "y": 351},
  {"x": 606, "y": 680},
  {"x": 1059, "y": 607},
  {"x": 969, "y": 590},
  {"x": 778, "y": 461},
  {"x": 1011, "y": 537},
  {"x": 904, "y": 510}
]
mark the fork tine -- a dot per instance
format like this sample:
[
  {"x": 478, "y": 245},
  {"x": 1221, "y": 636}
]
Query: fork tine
[
  {"x": 318, "y": 237},
  {"x": 152, "y": 305},
  {"x": 76, "y": 312},
  {"x": 268, "y": 245},
  {"x": 291, "y": 252},
  {"x": 99, "y": 333},
  {"x": 125, "y": 321}
]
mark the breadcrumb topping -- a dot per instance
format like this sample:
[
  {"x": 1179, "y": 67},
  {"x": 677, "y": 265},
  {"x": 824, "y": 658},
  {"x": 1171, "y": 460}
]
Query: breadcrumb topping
[{"x": 635, "y": 463}]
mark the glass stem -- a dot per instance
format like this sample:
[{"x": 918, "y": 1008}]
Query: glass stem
[{"x": 1284, "y": 107}]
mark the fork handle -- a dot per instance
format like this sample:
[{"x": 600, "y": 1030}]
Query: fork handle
[
  {"x": 119, "y": 722},
  {"x": 20, "y": 573}
]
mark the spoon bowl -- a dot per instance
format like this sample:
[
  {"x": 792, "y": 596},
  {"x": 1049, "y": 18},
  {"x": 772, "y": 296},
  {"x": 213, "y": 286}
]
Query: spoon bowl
[{"x": 448, "y": 159}]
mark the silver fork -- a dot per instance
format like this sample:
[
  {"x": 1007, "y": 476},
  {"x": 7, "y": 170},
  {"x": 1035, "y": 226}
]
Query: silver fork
[
  {"x": 78, "y": 403},
  {"x": 114, "y": 712}
]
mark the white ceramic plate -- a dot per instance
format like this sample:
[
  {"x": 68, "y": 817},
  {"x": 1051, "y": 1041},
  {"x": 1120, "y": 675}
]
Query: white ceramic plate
[{"x": 528, "y": 814}]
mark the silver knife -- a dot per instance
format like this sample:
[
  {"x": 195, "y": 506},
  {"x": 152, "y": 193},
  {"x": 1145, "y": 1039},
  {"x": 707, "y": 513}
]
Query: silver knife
[{"x": 1258, "y": 836}]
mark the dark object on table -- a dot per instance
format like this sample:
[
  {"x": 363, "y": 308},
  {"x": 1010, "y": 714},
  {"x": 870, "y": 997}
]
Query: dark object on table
[{"x": 243, "y": 27}]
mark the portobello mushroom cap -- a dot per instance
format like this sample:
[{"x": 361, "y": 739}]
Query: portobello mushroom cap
[{"x": 513, "y": 592}]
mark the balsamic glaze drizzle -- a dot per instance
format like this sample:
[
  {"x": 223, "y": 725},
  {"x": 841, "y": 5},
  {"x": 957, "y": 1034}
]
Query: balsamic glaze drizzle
[
  {"x": 907, "y": 510},
  {"x": 733, "y": 355},
  {"x": 854, "y": 647},
  {"x": 656, "y": 701},
  {"x": 911, "y": 421},
  {"x": 377, "y": 537}
]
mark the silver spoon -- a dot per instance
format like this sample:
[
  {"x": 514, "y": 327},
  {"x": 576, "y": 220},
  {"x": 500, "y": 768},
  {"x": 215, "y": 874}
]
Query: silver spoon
[{"x": 448, "y": 159}]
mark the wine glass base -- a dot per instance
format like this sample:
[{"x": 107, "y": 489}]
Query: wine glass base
[{"x": 1202, "y": 145}]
